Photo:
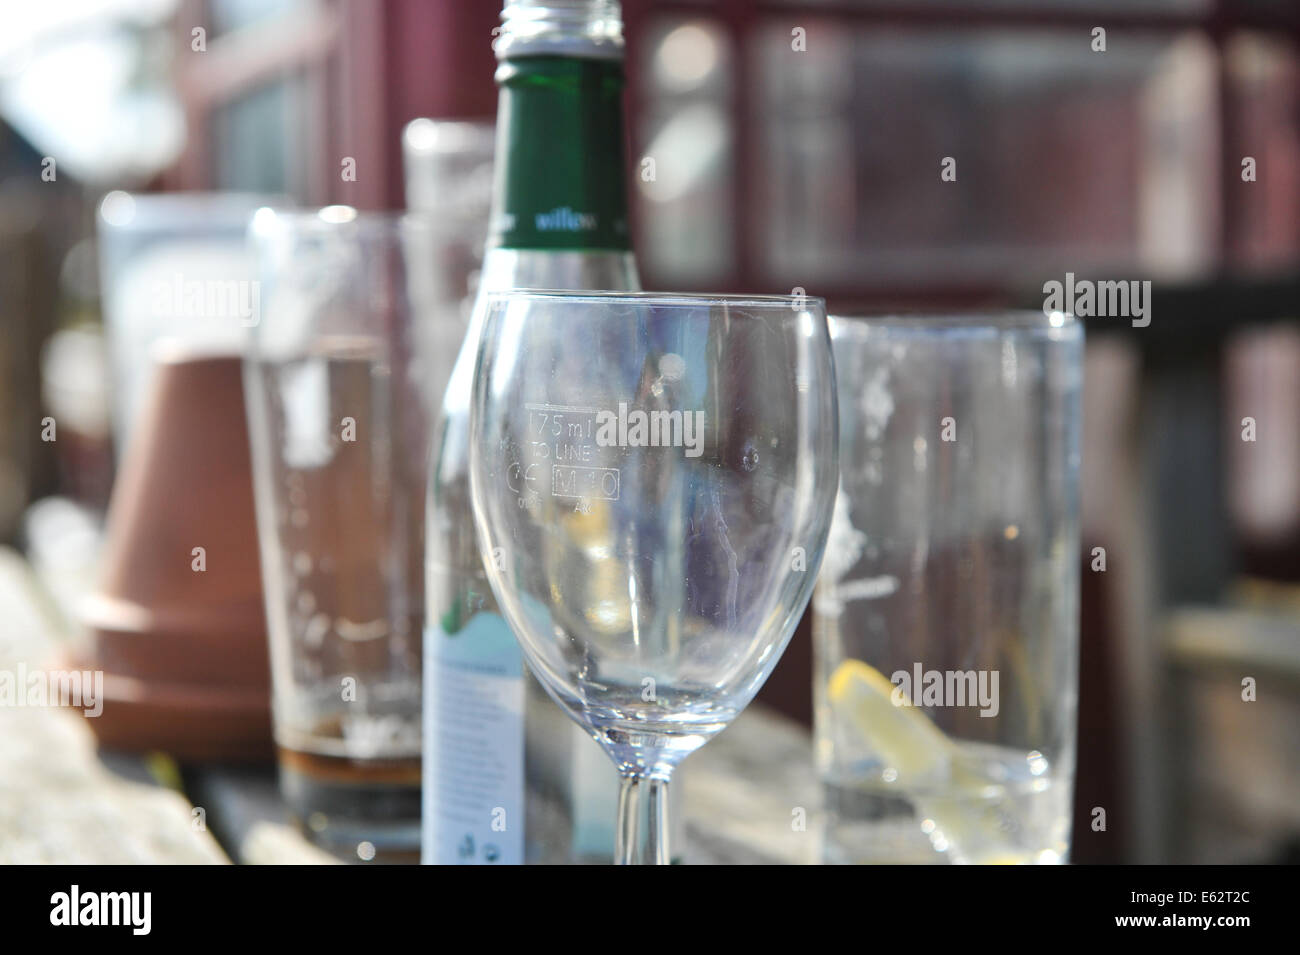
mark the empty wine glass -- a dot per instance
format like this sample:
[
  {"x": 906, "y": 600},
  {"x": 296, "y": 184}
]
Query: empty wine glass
[{"x": 653, "y": 478}]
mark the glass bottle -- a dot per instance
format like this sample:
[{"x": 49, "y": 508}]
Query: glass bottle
[{"x": 507, "y": 777}]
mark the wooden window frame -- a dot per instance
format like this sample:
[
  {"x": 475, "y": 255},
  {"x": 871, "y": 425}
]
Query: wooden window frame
[{"x": 741, "y": 20}]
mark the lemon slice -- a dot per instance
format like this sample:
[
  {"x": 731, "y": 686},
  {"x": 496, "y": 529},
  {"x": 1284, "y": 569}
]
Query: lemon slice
[
  {"x": 958, "y": 822},
  {"x": 865, "y": 702}
]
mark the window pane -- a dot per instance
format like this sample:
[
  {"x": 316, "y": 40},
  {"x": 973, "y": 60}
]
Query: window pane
[
  {"x": 683, "y": 171},
  {"x": 1262, "y": 383},
  {"x": 227, "y": 16},
  {"x": 1065, "y": 159},
  {"x": 251, "y": 138},
  {"x": 1264, "y": 187}
]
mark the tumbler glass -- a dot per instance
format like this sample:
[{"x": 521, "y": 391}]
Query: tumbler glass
[
  {"x": 174, "y": 265},
  {"x": 342, "y": 380},
  {"x": 946, "y": 613}
]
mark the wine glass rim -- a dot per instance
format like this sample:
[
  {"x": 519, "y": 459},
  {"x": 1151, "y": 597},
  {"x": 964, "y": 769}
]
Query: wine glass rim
[
  {"x": 796, "y": 303},
  {"x": 1024, "y": 321}
]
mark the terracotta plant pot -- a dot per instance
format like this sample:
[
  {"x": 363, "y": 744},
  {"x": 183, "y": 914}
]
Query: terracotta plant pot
[{"x": 178, "y": 624}]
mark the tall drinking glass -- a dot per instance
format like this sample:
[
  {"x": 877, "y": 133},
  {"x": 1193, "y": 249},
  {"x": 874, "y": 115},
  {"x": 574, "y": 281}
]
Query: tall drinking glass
[
  {"x": 652, "y": 478},
  {"x": 946, "y": 614},
  {"x": 342, "y": 379},
  {"x": 176, "y": 266}
]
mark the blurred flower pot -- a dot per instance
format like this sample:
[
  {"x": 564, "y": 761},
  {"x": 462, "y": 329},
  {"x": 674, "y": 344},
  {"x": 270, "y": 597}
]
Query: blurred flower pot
[{"x": 177, "y": 624}]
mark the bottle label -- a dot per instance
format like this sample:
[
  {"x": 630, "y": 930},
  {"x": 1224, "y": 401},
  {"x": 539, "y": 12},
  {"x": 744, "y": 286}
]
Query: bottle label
[
  {"x": 473, "y": 745},
  {"x": 560, "y": 150}
]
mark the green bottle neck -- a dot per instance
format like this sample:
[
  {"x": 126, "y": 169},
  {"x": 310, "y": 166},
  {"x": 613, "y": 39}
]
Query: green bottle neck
[{"x": 560, "y": 182}]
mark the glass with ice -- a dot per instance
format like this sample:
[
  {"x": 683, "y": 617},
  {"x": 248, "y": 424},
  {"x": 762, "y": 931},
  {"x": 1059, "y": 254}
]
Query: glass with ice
[{"x": 946, "y": 614}]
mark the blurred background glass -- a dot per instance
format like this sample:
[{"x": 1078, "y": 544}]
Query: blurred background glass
[
  {"x": 785, "y": 145},
  {"x": 339, "y": 409},
  {"x": 173, "y": 266}
]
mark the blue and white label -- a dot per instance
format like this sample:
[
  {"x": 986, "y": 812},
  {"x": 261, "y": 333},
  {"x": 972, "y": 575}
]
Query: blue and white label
[{"x": 473, "y": 745}]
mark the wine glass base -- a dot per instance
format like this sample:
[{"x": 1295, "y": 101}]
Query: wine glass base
[{"x": 651, "y": 750}]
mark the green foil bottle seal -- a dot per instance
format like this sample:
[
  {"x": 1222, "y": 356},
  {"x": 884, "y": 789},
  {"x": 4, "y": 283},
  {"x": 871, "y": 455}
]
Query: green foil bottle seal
[{"x": 561, "y": 183}]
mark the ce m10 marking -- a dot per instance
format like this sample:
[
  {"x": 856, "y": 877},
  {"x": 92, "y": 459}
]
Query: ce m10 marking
[{"x": 598, "y": 484}]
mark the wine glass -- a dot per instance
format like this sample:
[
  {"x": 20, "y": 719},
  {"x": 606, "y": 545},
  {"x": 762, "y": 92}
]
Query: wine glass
[{"x": 653, "y": 478}]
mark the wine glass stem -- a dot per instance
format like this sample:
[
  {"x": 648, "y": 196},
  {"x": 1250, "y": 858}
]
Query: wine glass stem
[{"x": 642, "y": 821}]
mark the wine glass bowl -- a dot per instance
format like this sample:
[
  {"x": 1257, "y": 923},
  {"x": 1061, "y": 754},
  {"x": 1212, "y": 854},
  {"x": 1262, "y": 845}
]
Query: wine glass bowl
[{"x": 653, "y": 479}]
